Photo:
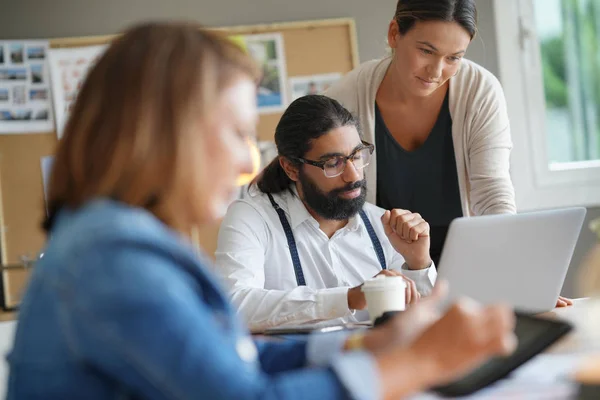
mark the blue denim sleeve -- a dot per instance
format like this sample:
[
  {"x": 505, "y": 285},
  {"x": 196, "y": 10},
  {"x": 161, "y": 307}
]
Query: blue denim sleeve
[
  {"x": 357, "y": 370},
  {"x": 279, "y": 355},
  {"x": 294, "y": 351},
  {"x": 133, "y": 313}
]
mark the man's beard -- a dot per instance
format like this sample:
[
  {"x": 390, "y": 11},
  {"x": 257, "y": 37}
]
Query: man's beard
[{"x": 330, "y": 205}]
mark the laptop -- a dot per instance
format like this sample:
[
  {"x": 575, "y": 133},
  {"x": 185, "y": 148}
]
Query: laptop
[{"x": 520, "y": 259}]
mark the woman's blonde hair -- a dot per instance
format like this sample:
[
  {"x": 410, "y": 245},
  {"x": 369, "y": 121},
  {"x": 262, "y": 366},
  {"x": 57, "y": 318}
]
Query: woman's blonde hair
[{"x": 133, "y": 132}]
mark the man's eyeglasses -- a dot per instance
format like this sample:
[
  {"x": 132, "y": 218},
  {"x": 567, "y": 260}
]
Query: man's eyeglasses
[{"x": 335, "y": 166}]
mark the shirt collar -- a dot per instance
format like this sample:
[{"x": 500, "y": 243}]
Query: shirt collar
[
  {"x": 299, "y": 213},
  {"x": 297, "y": 210}
]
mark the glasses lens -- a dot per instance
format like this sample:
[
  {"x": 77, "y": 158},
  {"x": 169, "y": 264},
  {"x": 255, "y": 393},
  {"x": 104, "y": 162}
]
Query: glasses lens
[
  {"x": 361, "y": 158},
  {"x": 334, "y": 166}
]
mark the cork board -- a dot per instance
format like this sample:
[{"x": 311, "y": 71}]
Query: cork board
[
  {"x": 313, "y": 47},
  {"x": 22, "y": 205}
]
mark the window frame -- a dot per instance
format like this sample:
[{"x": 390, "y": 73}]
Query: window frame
[{"x": 538, "y": 185}]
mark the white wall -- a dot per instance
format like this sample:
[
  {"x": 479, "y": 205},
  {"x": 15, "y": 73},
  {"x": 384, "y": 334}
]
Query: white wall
[{"x": 58, "y": 18}]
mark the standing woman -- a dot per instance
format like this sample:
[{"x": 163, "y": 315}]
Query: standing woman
[{"x": 439, "y": 121}]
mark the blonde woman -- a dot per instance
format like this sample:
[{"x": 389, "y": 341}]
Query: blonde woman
[{"x": 123, "y": 306}]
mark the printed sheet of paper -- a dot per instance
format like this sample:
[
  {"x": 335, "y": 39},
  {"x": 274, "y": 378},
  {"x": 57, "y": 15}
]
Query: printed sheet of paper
[
  {"x": 268, "y": 51},
  {"x": 68, "y": 69}
]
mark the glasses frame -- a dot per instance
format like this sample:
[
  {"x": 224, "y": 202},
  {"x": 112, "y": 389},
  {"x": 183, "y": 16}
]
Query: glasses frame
[{"x": 321, "y": 164}]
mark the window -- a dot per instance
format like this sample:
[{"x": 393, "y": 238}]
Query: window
[
  {"x": 568, "y": 33},
  {"x": 549, "y": 66}
]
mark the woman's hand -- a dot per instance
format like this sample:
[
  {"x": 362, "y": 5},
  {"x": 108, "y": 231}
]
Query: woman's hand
[
  {"x": 432, "y": 351},
  {"x": 563, "y": 302}
]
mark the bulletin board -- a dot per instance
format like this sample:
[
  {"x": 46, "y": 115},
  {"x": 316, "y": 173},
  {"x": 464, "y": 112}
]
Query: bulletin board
[{"x": 310, "y": 48}]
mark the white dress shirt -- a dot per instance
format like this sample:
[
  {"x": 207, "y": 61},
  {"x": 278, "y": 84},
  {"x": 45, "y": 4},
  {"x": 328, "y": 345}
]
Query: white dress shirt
[{"x": 253, "y": 258}]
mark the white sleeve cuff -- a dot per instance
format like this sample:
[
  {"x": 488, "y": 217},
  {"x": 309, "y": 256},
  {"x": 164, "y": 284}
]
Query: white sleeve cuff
[
  {"x": 333, "y": 303},
  {"x": 424, "y": 278},
  {"x": 358, "y": 372},
  {"x": 321, "y": 348}
]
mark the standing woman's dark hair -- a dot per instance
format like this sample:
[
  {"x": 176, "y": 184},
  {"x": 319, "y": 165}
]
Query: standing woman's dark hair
[
  {"x": 305, "y": 120},
  {"x": 463, "y": 12}
]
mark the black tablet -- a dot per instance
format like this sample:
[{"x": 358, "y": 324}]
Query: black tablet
[{"x": 534, "y": 334}]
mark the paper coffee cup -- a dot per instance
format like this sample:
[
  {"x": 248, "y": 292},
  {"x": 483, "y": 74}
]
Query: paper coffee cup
[{"x": 384, "y": 293}]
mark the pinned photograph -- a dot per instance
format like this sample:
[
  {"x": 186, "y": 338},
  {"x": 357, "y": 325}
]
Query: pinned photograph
[
  {"x": 41, "y": 115},
  {"x": 3, "y": 95},
  {"x": 19, "y": 95},
  {"x": 13, "y": 74},
  {"x": 312, "y": 84},
  {"x": 267, "y": 51},
  {"x": 37, "y": 74},
  {"x": 1, "y": 55},
  {"x": 16, "y": 53},
  {"x": 18, "y": 115},
  {"x": 36, "y": 53},
  {"x": 21, "y": 115},
  {"x": 38, "y": 94}
]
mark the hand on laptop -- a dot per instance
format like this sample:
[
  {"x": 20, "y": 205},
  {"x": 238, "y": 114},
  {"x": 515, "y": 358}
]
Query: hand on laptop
[
  {"x": 408, "y": 233},
  {"x": 563, "y": 302},
  {"x": 357, "y": 301}
]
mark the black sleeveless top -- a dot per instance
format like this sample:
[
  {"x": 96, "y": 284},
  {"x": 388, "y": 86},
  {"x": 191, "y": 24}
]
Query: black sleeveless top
[{"x": 424, "y": 180}]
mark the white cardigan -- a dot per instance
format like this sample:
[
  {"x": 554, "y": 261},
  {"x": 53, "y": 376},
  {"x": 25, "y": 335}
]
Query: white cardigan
[{"x": 480, "y": 132}]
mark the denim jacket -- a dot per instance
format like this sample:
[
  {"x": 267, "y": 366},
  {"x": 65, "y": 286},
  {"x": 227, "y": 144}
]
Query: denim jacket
[{"x": 122, "y": 307}]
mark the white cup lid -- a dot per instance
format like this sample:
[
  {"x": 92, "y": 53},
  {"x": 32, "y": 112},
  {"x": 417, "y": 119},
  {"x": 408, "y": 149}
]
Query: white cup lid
[{"x": 382, "y": 282}]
